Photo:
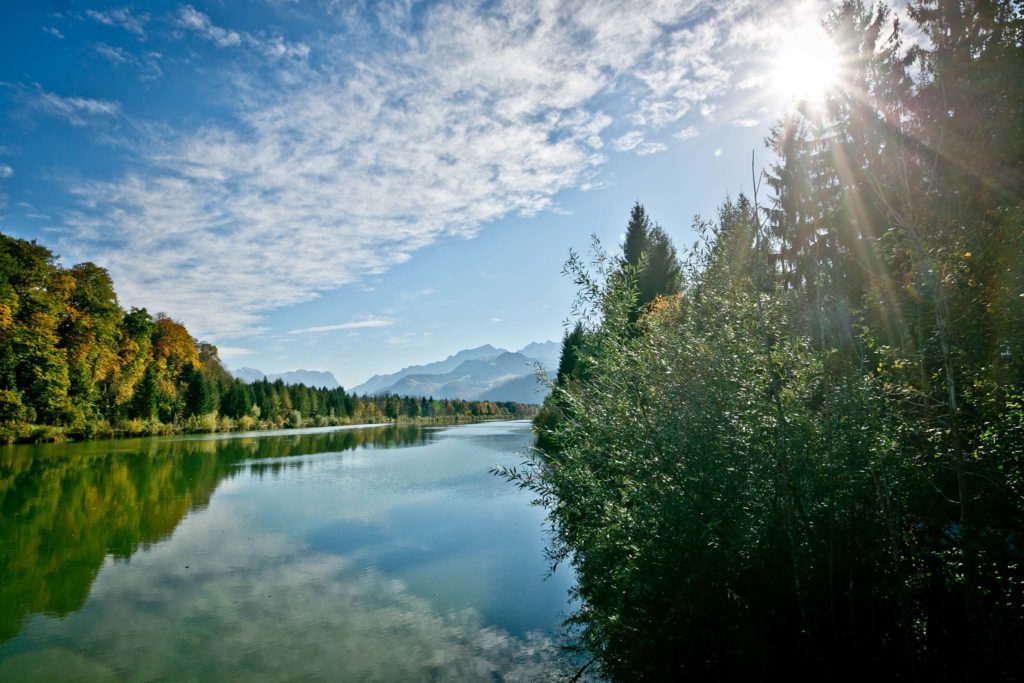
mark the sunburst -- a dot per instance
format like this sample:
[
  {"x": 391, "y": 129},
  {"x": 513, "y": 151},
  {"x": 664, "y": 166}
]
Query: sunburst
[{"x": 807, "y": 65}]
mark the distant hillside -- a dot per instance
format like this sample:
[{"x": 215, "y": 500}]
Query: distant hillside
[
  {"x": 378, "y": 384},
  {"x": 482, "y": 373},
  {"x": 311, "y": 378},
  {"x": 547, "y": 353},
  {"x": 525, "y": 389}
]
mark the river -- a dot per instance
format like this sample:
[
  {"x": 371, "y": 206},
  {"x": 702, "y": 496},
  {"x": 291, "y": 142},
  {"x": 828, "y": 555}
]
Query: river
[{"x": 384, "y": 553}]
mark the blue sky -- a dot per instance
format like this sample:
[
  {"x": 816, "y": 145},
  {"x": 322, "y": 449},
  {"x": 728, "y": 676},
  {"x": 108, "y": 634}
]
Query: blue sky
[{"x": 358, "y": 186}]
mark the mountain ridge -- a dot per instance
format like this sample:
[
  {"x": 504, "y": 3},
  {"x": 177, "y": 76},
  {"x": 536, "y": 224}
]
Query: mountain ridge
[
  {"x": 311, "y": 378},
  {"x": 481, "y": 373},
  {"x": 471, "y": 374}
]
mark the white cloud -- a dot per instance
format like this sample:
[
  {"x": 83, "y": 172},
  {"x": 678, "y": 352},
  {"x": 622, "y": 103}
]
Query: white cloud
[
  {"x": 683, "y": 72},
  {"x": 148, "y": 63},
  {"x": 634, "y": 141},
  {"x": 686, "y": 133},
  {"x": 341, "y": 169},
  {"x": 369, "y": 323},
  {"x": 78, "y": 111},
  {"x": 229, "y": 352},
  {"x": 6, "y": 171},
  {"x": 133, "y": 23},
  {"x": 277, "y": 47},
  {"x": 274, "y": 46},
  {"x": 116, "y": 55},
  {"x": 746, "y": 123},
  {"x": 648, "y": 148},
  {"x": 194, "y": 20},
  {"x": 628, "y": 141},
  {"x": 53, "y": 31}
]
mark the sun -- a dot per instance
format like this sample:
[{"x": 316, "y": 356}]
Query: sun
[{"x": 806, "y": 66}]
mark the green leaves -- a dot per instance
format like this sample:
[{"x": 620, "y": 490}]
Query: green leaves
[{"x": 814, "y": 453}]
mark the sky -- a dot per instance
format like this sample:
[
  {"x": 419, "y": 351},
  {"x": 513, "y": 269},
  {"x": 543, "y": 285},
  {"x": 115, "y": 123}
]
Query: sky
[{"x": 360, "y": 186}]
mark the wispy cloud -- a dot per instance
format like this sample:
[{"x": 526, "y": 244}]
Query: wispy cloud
[
  {"x": 628, "y": 141},
  {"x": 746, "y": 123},
  {"x": 418, "y": 294},
  {"x": 117, "y": 55},
  {"x": 147, "y": 63},
  {"x": 194, "y": 20},
  {"x": 686, "y": 133},
  {"x": 633, "y": 141},
  {"x": 53, "y": 31},
  {"x": 369, "y": 323},
  {"x": 648, "y": 148},
  {"x": 345, "y": 167},
  {"x": 6, "y": 171},
  {"x": 273, "y": 46},
  {"x": 123, "y": 17},
  {"x": 78, "y": 111}
]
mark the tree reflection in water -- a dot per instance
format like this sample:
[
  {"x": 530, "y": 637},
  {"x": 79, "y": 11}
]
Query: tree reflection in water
[{"x": 65, "y": 507}]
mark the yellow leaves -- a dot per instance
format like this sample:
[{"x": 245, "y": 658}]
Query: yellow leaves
[
  {"x": 173, "y": 343},
  {"x": 6, "y": 318},
  {"x": 662, "y": 309},
  {"x": 61, "y": 285}
]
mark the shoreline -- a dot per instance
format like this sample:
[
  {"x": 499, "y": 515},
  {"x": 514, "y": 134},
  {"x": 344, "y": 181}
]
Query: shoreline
[{"x": 27, "y": 435}]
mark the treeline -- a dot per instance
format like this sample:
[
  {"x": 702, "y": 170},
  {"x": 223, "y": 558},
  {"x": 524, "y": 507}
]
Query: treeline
[
  {"x": 73, "y": 362},
  {"x": 799, "y": 450}
]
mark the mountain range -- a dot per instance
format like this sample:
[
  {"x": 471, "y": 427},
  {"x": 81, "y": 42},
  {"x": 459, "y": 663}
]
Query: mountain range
[
  {"x": 484, "y": 373},
  {"x": 311, "y": 378}
]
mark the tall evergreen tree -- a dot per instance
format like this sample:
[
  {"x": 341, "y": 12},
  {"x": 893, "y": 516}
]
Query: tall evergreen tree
[
  {"x": 198, "y": 397},
  {"x": 569, "y": 361},
  {"x": 649, "y": 256}
]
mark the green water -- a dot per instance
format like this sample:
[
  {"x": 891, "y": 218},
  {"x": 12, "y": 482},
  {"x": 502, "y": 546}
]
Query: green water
[{"x": 358, "y": 554}]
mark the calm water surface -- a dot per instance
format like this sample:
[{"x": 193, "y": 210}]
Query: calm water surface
[{"x": 359, "y": 554}]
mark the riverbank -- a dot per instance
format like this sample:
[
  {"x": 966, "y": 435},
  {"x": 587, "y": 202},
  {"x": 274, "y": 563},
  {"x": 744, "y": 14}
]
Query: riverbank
[{"x": 213, "y": 424}]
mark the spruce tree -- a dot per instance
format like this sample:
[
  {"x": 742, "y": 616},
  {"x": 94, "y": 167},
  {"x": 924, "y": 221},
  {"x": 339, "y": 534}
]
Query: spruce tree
[{"x": 648, "y": 256}]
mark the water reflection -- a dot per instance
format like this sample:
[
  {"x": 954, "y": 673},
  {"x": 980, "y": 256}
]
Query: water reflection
[
  {"x": 65, "y": 507},
  {"x": 377, "y": 554}
]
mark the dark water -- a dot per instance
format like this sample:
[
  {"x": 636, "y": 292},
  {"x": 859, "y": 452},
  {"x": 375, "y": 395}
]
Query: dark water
[{"x": 360, "y": 554}]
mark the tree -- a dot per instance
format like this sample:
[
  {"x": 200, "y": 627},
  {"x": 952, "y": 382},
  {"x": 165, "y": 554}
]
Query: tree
[
  {"x": 145, "y": 401},
  {"x": 569, "y": 366},
  {"x": 198, "y": 397},
  {"x": 648, "y": 258}
]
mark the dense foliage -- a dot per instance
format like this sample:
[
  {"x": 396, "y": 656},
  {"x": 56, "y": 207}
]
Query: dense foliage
[
  {"x": 810, "y": 460},
  {"x": 72, "y": 361}
]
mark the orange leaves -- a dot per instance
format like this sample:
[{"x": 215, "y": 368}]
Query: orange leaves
[{"x": 662, "y": 309}]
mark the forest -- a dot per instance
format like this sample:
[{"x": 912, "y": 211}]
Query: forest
[
  {"x": 75, "y": 364},
  {"x": 797, "y": 447}
]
